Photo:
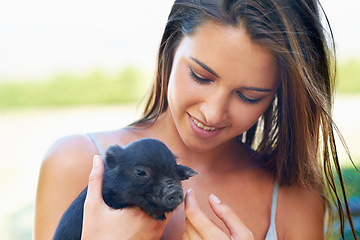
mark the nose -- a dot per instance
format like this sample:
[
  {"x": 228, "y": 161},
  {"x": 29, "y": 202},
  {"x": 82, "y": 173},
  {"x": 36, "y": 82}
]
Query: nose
[
  {"x": 173, "y": 199},
  {"x": 172, "y": 193},
  {"x": 215, "y": 109}
]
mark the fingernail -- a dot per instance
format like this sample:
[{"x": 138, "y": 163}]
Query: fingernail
[
  {"x": 189, "y": 198},
  {"x": 96, "y": 161},
  {"x": 215, "y": 199},
  {"x": 188, "y": 195},
  {"x": 189, "y": 191}
]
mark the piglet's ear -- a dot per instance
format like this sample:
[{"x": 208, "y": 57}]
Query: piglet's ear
[
  {"x": 185, "y": 172},
  {"x": 113, "y": 155}
]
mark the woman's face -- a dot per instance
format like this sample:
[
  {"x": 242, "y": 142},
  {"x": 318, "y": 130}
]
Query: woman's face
[{"x": 220, "y": 84}]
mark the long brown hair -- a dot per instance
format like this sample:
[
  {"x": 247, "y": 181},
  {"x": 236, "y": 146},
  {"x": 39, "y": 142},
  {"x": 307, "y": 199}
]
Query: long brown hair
[{"x": 295, "y": 135}]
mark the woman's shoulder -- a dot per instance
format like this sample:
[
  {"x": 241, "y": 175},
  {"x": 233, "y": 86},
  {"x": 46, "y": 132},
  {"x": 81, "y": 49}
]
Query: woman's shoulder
[
  {"x": 121, "y": 137},
  {"x": 79, "y": 149},
  {"x": 68, "y": 162},
  {"x": 63, "y": 175},
  {"x": 68, "y": 148},
  {"x": 300, "y": 213}
]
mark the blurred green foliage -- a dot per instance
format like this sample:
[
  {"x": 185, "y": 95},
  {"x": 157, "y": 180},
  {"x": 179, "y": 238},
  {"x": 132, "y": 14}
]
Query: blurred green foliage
[
  {"x": 349, "y": 76},
  {"x": 128, "y": 85},
  {"x": 351, "y": 179},
  {"x": 351, "y": 176},
  {"x": 97, "y": 87}
]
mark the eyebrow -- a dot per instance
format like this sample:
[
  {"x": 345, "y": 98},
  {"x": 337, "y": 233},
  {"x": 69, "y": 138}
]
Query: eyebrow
[
  {"x": 258, "y": 89},
  {"x": 204, "y": 66}
]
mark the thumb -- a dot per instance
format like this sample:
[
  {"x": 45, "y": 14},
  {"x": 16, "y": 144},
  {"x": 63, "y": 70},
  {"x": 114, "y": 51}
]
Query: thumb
[{"x": 94, "y": 191}]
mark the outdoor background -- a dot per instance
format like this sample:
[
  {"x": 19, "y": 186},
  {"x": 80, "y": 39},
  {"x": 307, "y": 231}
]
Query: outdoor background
[{"x": 76, "y": 66}]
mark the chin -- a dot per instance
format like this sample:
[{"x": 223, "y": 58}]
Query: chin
[
  {"x": 202, "y": 145},
  {"x": 199, "y": 149}
]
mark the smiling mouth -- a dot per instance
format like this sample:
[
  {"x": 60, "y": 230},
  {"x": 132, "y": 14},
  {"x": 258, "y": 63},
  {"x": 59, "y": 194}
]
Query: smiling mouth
[{"x": 202, "y": 126}]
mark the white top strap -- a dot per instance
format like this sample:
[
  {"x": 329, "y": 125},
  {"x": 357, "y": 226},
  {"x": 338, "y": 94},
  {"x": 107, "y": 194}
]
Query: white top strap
[
  {"x": 271, "y": 234},
  {"x": 97, "y": 144}
]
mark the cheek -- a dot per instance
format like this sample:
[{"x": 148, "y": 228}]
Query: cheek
[
  {"x": 174, "y": 92},
  {"x": 174, "y": 88},
  {"x": 247, "y": 115},
  {"x": 180, "y": 89}
]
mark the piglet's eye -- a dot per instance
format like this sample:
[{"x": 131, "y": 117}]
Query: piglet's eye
[{"x": 140, "y": 173}]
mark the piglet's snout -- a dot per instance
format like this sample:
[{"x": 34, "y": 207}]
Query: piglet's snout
[
  {"x": 172, "y": 199},
  {"x": 172, "y": 193}
]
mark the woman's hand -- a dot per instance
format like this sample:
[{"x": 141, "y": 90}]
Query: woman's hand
[
  {"x": 199, "y": 226},
  {"x": 102, "y": 222}
]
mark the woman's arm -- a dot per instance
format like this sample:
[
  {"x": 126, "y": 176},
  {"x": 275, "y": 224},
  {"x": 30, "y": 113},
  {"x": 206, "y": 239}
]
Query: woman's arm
[
  {"x": 300, "y": 214},
  {"x": 63, "y": 175}
]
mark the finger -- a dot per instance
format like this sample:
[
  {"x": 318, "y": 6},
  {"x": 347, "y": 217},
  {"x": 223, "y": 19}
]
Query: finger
[
  {"x": 95, "y": 179},
  {"x": 196, "y": 217},
  {"x": 191, "y": 231},
  {"x": 236, "y": 227},
  {"x": 185, "y": 236}
]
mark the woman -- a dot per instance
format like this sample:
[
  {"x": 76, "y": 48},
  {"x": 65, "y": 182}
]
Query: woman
[{"x": 243, "y": 95}]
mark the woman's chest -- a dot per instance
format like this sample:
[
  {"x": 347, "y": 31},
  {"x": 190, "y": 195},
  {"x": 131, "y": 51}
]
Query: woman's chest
[{"x": 249, "y": 200}]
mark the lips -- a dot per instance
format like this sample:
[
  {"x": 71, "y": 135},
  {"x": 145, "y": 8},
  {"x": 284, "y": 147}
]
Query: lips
[
  {"x": 200, "y": 125},
  {"x": 202, "y": 130}
]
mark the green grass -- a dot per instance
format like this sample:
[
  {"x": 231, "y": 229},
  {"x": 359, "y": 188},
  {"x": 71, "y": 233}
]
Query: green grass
[{"x": 96, "y": 87}]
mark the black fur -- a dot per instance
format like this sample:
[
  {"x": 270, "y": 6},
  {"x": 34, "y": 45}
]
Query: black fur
[{"x": 143, "y": 174}]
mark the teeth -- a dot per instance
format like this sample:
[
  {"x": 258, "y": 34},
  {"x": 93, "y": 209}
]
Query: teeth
[{"x": 200, "y": 125}]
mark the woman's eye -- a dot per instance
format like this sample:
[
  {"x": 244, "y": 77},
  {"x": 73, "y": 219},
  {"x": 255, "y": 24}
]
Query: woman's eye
[
  {"x": 198, "y": 79},
  {"x": 247, "y": 100}
]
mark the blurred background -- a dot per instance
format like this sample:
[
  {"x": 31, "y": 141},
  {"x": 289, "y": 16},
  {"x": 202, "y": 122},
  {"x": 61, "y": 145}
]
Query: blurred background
[{"x": 76, "y": 66}]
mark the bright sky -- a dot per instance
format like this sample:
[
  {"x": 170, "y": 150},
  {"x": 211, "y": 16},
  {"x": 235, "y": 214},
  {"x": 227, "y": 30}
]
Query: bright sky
[{"x": 40, "y": 38}]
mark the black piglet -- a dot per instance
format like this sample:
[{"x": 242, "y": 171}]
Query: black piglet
[{"x": 143, "y": 174}]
